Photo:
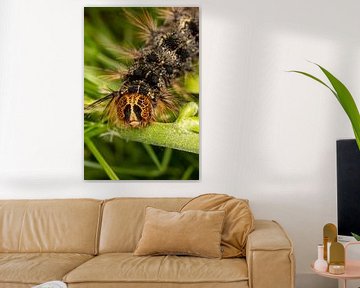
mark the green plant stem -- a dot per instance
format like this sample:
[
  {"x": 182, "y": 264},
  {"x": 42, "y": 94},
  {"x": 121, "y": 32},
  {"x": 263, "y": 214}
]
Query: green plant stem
[
  {"x": 90, "y": 144},
  {"x": 152, "y": 155},
  {"x": 171, "y": 135},
  {"x": 139, "y": 171},
  {"x": 187, "y": 173},
  {"x": 166, "y": 159}
]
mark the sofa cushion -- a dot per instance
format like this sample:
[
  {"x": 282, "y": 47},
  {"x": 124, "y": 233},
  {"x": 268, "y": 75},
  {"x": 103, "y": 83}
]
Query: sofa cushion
[
  {"x": 36, "y": 268},
  {"x": 126, "y": 268},
  {"x": 63, "y": 226},
  {"x": 193, "y": 232},
  {"x": 239, "y": 221},
  {"x": 123, "y": 220}
]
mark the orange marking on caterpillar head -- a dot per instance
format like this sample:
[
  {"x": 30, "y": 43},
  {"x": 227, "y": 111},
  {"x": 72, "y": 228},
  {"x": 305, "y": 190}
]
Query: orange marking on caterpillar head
[{"x": 134, "y": 109}]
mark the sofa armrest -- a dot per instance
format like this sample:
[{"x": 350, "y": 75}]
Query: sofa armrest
[{"x": 269, "y": 256}]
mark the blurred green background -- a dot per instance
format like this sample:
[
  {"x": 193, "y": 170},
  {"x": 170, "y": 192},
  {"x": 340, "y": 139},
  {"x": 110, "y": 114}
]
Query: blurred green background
[{"x": 110, "y": 153}]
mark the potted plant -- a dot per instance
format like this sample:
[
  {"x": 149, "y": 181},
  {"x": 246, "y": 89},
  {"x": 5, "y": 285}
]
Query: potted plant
[{"x": 345, "y": 99}]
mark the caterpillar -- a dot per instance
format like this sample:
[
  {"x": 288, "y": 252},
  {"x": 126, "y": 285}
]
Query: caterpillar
[{"x": 169, "y": 51}]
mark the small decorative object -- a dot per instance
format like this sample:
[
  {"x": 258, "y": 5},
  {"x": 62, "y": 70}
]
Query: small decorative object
[
  {"x": 336, "y": 269},
  {"x": 341, "y": 267},
  {"x": 330, "y": 236},
  {"x": 328, "y": 245},
  {"x": 320, "y": 264},
  {"x": 337, "y": 258}
]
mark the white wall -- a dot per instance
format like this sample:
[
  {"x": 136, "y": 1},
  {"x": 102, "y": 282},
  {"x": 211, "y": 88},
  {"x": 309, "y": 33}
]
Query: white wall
[{"x": 267, "y": 135}]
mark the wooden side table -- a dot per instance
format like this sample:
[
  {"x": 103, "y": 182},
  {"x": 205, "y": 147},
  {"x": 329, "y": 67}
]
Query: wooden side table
[{"x": 352, "y": 268}]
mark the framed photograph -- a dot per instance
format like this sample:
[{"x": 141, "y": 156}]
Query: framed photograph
[{"x": 141, "y": 93}]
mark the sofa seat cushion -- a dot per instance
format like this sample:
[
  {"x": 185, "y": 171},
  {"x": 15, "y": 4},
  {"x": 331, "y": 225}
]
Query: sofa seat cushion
[
  {"x": 36, "y": 268},
  {"x": 127, "y": 268}
]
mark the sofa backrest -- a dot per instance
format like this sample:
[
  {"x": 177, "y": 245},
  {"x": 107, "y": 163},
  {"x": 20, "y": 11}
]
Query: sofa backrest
[
  {"x": 68, "y": 226},
  {"x": 123, "y": 220}
]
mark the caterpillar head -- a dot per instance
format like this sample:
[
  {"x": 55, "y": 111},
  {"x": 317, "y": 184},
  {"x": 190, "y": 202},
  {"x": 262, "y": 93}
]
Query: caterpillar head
[{"x": 135, "y": 110}]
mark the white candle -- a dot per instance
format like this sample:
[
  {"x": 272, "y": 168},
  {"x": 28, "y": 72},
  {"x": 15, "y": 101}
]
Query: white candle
[{"x": 328, "y": 252}]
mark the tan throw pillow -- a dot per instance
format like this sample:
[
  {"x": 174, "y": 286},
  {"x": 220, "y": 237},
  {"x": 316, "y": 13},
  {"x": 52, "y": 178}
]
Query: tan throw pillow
[
  {"x": 196, "y": 233},
  {"x": 239, "y": 220}
]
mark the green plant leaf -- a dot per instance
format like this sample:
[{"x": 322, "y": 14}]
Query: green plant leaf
[
  {"x": 152, "y": 155},
  {"x": 344, "y": 97},
  {"x": 187, "y": 173},
  {"x": 356, "y": 236},
  {"x": 346, "y": 100},
  {"x": 192, "y": 83},
  {"x": 90, "y": 144},
  {"x": 187, "y": 118},
  {"x": 316, "y": 79},
  {"x": 188, "y": 110}
]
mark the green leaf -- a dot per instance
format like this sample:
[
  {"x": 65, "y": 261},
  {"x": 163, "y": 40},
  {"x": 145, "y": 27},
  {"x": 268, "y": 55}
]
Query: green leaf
[
  {"x": 356, "y": 236},
  {"x": 357, "y": 137},
  {"x": 191, "y": 124},
  {"x": 188, "y": 110},
  {"x": 187, "y": 173},
  {"x": 344, "y": 97},
  {"x": 90, "y": 144},
  {"x": 192, "y": 83},
  {"x": 316, "y": 79},
  {"x": 152, "y": 155},
  {"x": 346, "y": 100},
  {"x": 187, "y": 118}
]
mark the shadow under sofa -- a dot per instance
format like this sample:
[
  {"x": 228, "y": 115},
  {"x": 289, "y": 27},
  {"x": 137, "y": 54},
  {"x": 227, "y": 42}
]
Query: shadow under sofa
[{"x": 90, "y": 243}]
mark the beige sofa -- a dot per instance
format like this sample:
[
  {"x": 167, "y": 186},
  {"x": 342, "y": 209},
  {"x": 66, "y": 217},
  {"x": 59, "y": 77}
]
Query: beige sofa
[{"x": 89, "y": 243}]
